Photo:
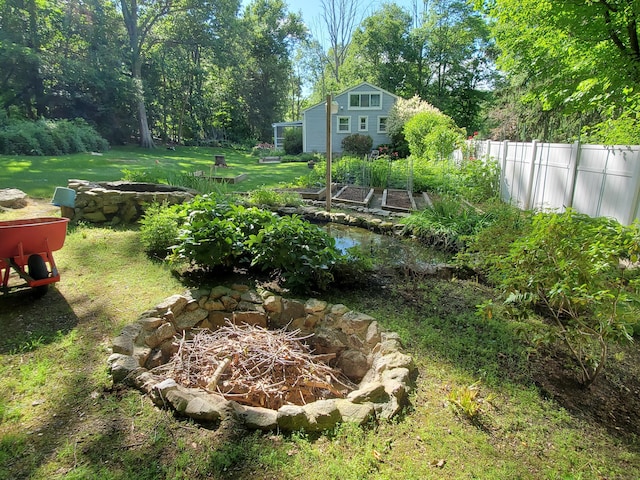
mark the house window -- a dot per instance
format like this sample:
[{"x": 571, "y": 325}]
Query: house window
[
  {"x": 382, "y": 124},
  {"x": 344, "y": 124},
  {"x": 363, "y": 124},
  {"x": 365, "y": 101}
]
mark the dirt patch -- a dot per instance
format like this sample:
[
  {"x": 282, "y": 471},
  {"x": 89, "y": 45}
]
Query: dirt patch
[
  {"x": 612, "y": 401},
  {"x": 353, "y": 194}
]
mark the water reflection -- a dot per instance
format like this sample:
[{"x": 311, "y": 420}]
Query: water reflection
[{"x": 387, "y": 249}]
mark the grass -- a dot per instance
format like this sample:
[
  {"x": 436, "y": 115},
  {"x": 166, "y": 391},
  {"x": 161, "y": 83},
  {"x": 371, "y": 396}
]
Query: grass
[
  {"x": 38, "y": 176},
  {"x": 61, "y": 418}
]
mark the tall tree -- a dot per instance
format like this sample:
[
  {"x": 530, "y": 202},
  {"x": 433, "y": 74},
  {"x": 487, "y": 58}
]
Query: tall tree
[
  {"x": 140, "y": 17},
  {"x": 578, "y": 55},
  {"x": 340, "y": 18},
  {"x": 272, "y": 34}
]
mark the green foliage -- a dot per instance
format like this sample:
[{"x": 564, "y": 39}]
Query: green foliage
[
  {"x": 48, "y": 137},
  {"x": 269, "y": 197},
  {"x": 433, "y": 135},
  {"x": 357, "y": 144},
  {"x": 293, "y": 141},
  {"x": 160, "y": 227},
  {"x": 479, "y": 180},
  {"x": 570, "y": 265},
  {"x": 214, "y": 232},
  {"x": 465, "y": 401},
  {"x": 448, "y": 224},
  {"x": 153, "y": 175},
  {"x": 303, "y": 253}
]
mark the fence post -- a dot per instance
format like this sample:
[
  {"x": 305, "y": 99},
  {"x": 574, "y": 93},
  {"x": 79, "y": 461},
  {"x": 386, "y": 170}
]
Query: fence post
[
  {"x": 532, "y": 167},
  {"x": 572, "y": 173},
  {"x": 636, "y": 186},
  {"x": 503, "y": 172}
]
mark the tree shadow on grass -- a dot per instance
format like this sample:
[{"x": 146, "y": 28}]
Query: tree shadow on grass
[{"x": 23, "y": 322}]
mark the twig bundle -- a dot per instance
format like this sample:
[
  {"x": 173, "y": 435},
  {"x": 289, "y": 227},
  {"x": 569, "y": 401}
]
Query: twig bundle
[{"x": 256, "y": 366}]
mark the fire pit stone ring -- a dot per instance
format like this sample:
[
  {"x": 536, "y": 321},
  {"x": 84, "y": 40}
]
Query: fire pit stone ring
[{"x": 372, "y": 359}]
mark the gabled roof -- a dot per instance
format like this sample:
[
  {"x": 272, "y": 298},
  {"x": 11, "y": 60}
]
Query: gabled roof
[{"x": 353, "y": 88}]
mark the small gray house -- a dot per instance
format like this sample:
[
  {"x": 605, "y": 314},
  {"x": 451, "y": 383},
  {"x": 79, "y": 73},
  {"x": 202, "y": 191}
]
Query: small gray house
[{"x": 362, "y": 109}]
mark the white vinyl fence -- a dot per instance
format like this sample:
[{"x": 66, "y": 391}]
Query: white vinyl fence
[{"x": 597, "y": 180}]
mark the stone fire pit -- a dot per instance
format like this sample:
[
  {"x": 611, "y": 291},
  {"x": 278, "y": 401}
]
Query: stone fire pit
[
  {"x": 120, "y": 202},
  {"x": 368, "y": 356}
]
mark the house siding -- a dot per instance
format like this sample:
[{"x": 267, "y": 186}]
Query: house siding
[{"x": 315, "y": 132}]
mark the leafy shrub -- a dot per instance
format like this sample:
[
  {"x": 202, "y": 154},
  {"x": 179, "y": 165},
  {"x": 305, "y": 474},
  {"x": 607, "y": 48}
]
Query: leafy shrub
[
  {"x": 293, "y": 141},
  {"x": 49, "y": 137},
  {"x": 272, "y": 198},
  {"x": 480, "y": 180},
  {"x": 433, "y": 135},
  {"x": 214, "y": 232},
  {"x": 147, "y": 176},
  {"x": 302, "y": 252},
  {"x": 357, "y": 144},
  {"x": 569, "y": 265},
  {"x": 160, "y": 227}
]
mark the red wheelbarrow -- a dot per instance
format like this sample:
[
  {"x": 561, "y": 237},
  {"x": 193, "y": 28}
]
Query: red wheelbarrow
[{"x": 29, "y": 243}]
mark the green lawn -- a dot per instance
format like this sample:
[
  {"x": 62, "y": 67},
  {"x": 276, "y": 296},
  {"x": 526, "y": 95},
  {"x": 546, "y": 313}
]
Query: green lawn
[{"x": 38, "y": 176}]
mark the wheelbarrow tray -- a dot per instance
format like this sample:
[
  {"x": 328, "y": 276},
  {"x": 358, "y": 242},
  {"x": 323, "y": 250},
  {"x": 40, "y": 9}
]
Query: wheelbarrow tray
[{"x": 23, "y": 239}]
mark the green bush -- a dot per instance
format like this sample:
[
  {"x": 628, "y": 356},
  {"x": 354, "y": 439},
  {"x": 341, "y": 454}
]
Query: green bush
[
  {"x": 293, "y": 141},
  {"x": 298, "y": 250},
  {"x": 569, "y": 266},
  {"x": 269, "y": 197},
  {"x": 160, "y": 227},
  {"x": 214, "y": 232},
  {"x": 357, "y": 144},
  {"x": 433, "y": 135},
  {"x": 49, "y": 137}
]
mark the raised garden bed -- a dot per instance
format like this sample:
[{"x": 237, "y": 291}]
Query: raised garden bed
[
  {"x": 398, "y": 200},
  {"x": 354, "y": 195},
  {"x": 319, "y": 193}
]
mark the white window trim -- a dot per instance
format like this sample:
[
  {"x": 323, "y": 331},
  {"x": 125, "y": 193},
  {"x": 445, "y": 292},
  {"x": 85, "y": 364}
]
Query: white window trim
[
  {"x": 378, "y": 124},
  {"x": 372, "y": 92},
  {"x": 348, "y": 124},
  {"x": 366, "y": 123}
]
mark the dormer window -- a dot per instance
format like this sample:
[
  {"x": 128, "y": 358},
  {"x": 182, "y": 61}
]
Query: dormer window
[{"x": 364, "y": 101}]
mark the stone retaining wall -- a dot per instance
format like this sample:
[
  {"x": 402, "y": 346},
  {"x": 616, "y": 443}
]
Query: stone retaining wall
[
  {"x": 120, "y": 202},
  {"x": 364, "y": 352}
]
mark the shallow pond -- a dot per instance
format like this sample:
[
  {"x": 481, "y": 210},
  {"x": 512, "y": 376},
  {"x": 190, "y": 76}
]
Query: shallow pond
[{"x": 388, "y": 249}]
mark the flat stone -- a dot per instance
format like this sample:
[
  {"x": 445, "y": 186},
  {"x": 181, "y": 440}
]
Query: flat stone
[
  {"x": 150, "y": 323},
  {"x": 314, "y": 306},
  {"x": 322, "y": 414},
  {"x": 189, "y": 319},
  {"x": 200, "y": 409},
  {"x": 160, "y": 334},
  {"x": 219, "y": 292},
  {"x": 358, "y": 413},
  {"x": 12, "y": 198},
  {"x": 120, "y": 366},
  {"x": 355, "y": 323},
  {"x": 123, "y": 344},
  {"x": 251, "y": 297},
  {"x": 353, "y": 364},
  {"x": 293, "y": 417},
  {"x": 175, "y": 303},
  {"x": 256, "y": 417},
  {"x": 371, "y": 392},
  {"x": 250, "y": 318}
]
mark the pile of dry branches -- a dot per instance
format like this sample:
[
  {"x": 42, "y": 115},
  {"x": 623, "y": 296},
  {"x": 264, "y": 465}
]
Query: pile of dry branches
[{"x": 256, "y": 366}]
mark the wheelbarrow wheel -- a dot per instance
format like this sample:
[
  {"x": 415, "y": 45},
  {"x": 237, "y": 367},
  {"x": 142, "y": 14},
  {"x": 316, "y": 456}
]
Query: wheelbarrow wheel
[{"x": 38, "y": 271}]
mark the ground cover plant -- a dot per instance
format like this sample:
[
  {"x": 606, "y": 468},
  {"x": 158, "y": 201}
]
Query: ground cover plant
[{"x": 485, "y": 405}]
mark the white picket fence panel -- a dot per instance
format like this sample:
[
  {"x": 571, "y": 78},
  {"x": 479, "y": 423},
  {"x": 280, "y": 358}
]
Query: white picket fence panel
[{"x": 597, "y": 180}]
